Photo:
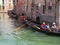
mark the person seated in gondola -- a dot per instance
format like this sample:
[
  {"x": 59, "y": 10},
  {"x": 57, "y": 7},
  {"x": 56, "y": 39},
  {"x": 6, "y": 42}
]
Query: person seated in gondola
[
  {"x": 44, "y": 26},
  {"x": 58, "y": 30},
  {"x": 48, "y": 27},
  {"x": 53, "y": 27}
]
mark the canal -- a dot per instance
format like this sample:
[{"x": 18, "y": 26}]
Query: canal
[{"x": 24, "y": 36}]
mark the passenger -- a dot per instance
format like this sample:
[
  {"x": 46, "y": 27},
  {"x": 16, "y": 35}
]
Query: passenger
[
  {"x": 44, "y": 26},
  {"x": 58, "y": 30},
  {"x": 54, "y": 28},
  {"x": 48, "y": 26}
]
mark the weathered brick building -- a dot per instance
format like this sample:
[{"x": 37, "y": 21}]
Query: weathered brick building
[
  {"x": 18, "y": 5},
  {"x": 49, "y": 9}
]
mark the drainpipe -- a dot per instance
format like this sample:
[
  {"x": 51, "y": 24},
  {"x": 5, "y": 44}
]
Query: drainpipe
[
  {"x": 27, "y": 6},
  {"x": 32, "y": 8}
]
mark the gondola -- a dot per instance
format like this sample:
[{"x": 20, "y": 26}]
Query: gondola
[
  {"x": 37, "y": 28},
  {"x": 12, "y": 14}
]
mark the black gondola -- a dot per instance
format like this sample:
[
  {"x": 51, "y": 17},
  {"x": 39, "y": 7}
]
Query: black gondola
[
  {"x": 12, "y": 14},
  {"x": 35, "y": 26}
]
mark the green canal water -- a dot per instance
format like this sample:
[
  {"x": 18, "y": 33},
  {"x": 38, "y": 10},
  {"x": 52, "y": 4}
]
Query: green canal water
[
  {"x": 25, "y": 35},
  {"x": 29, "y": 37}
]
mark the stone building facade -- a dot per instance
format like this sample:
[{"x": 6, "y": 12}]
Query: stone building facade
[
  {"x": 29, "y": 6},
  {"x": 32, "y": 6},
  {"x": 18, "y": 5},
  {"x": 50, "y": 14},
  {"x": 45, "y": 7},
  {"x": 6, "y": 5},
  {"x": 49, "y": 9}
]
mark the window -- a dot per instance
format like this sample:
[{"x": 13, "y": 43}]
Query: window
[
  {"x": 3, "y": 2},
  {"x": 44, "y": 8}
]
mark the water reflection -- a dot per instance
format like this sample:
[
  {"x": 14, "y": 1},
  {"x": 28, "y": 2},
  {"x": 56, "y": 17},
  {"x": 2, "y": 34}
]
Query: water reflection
[
  {"x": 5, "y": 21},
  {"x": 6, "y": 24}
]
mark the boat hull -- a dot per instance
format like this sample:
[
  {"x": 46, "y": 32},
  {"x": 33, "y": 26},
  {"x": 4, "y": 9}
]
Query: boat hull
[{"x": 36, "y": 28}]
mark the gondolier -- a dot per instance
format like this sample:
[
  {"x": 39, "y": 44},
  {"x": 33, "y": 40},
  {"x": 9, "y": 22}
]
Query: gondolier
[
  {"x": 22, "y": 18},
  {"x": 37, "y": 14}
]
